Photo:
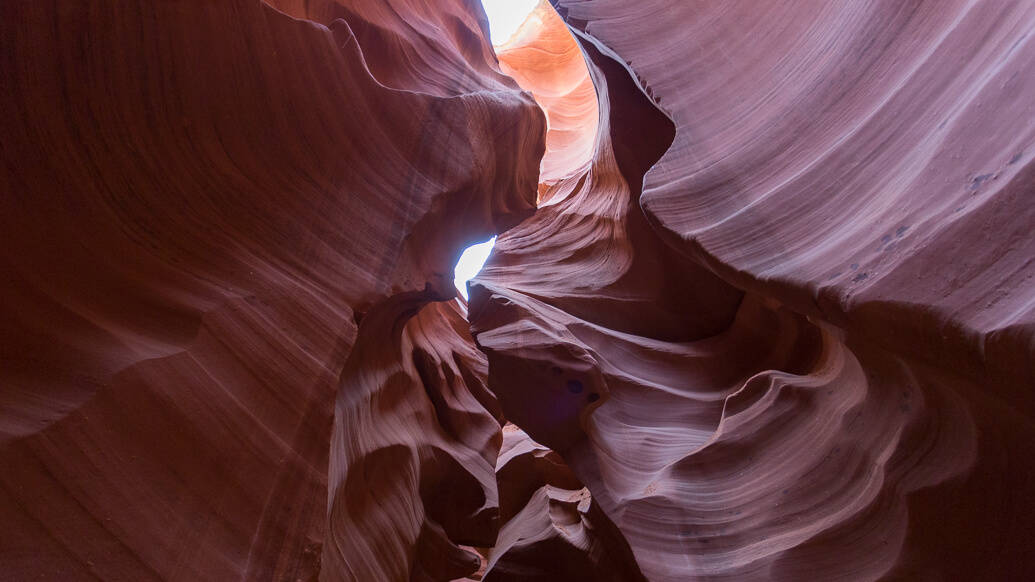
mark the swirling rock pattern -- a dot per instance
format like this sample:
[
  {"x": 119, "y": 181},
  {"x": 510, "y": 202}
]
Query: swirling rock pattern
[
  {"x": 200, "y": 201},
  {"x": 413, "y": 450},
  {"x": 843, "y": 194},
  {"x": 553, "y": 530},
  {"x": 774, "y": 318},
  {"x": 543, "y": 57}
]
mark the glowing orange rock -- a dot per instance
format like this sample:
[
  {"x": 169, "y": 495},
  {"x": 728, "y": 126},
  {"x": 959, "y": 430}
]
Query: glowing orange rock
[{"x": 544, "y": 58}]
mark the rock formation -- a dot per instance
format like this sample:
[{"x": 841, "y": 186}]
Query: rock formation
[
  {"x": 201, "y": 204},
  {"x": 552, "y": 527},
  {"x": 773, "y": 318},
  {"x": 543, "y": 58},
  {"x": 836, "y": 380}
]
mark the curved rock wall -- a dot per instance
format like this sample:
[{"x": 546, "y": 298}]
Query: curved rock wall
[
  {"x": 413, "y": 451},
  {"x": 553, "y": 530},
  {"x": 543, "y": 57},
  {"x": 843, "y": 191},
  {"x": 200, "y": 201},
  {"x": 774, "y": 321}
]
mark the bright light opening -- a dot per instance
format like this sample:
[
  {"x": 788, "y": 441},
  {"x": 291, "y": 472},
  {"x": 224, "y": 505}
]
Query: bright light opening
[
  {"x": 470, "y": 263},
  {"x": 505, "y": 16}
]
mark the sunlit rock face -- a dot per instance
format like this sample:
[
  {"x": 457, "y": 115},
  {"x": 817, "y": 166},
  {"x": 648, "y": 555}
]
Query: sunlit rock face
[
  {"x": 774, "y": 318},
  {"x": 543, "y": 57},
  {"x": 813, "y": 360}
]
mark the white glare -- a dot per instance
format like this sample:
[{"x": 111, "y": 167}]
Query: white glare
[
  {"x": 470, "y": 263},
  {"x": 505, "y": 16}
]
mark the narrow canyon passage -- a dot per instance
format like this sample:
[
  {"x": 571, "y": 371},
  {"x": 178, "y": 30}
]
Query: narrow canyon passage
[
  {"x": 760, "y": 303},
  {"x": 416, "y": 411}
]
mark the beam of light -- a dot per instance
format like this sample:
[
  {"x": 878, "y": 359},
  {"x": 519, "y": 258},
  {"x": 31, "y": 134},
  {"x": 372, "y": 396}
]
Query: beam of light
[
  {"x": 505, "y": 16},
  {"x": 470, "y": 263}
]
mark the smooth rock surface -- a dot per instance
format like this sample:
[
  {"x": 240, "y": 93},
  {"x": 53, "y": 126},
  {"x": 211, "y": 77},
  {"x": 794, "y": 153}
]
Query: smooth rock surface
[
  {"x": 200, "y": 201},
  {"x": 543, "y": 57},
  {"x": 551, "y": 529},
  {"x": 773, "y": 319},
  {"x": 843, "y": 195}
]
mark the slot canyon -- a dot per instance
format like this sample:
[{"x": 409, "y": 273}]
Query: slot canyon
[{"x": 761, "y": 304}]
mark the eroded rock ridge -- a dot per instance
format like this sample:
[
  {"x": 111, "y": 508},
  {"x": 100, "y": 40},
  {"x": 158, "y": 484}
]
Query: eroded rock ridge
[{"x": 762, "y": 305}]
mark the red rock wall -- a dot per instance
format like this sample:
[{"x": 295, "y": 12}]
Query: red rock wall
[
  {"x": 552, "y": 529},
  {"x": 200, "y": 201},
  {"x": 836, "y": 383},
  {"x": 778, "y": 327},
  {"x": 413, "y": 451},
  {"x": 543, "y": 57}
]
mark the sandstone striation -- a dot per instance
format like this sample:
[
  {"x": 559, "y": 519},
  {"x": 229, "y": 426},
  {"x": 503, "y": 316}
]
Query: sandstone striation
[
  {"x": 552, "y": 527},
  {"x": 843, "y": 196},
  {"x": 543, "y": 57},
  {"x": 762, "y": 305},
  {"x": 200, "y": 202}
]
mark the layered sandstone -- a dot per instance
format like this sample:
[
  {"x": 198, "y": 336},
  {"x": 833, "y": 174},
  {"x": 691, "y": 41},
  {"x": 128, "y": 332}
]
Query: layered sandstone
[
  {"x": 552, "y": 529},
  {"x": 773, "y": 319},
  {"x": 543, "y": 57},
  {"x": 201, "y": 202},
  {"x": 837, "y": 381}
]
